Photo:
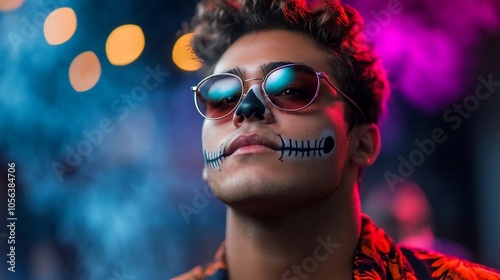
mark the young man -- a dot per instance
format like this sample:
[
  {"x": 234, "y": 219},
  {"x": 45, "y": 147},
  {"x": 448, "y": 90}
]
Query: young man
[{"x": 291, "y": 121}]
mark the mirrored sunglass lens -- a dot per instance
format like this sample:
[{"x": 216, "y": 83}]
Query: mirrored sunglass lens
[
  {"x": 218, "y": 95},
  {"x": 291, "y": 87}
]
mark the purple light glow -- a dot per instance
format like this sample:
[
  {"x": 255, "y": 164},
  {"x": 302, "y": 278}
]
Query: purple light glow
[
  {"x": 425, "y": 65},
  {"x": 428, "y": 46}
]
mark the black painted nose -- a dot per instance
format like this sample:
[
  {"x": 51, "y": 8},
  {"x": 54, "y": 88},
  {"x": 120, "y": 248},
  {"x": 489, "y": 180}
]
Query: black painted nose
[{"x": 250, "y": 105}]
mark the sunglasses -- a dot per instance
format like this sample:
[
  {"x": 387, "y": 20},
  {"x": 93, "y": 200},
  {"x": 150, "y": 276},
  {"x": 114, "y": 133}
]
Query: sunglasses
[{"x": 290, "y": 88}]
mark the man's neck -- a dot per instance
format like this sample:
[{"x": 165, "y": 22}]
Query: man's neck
[{"x": 318, "y": 242}]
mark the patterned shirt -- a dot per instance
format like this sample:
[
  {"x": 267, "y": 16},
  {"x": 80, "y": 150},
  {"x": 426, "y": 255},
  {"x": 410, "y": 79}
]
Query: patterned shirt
[{"x": 377, "y": 257}]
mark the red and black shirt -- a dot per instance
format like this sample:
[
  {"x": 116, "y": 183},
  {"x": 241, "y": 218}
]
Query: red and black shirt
[{"x": 377, "y": 257}]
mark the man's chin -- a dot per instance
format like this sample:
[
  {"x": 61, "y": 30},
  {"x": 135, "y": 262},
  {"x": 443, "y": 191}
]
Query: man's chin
[{"x": 261, "y": 202}]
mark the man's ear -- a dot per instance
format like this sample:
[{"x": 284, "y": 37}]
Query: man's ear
[{"x": 365, "y": 141}]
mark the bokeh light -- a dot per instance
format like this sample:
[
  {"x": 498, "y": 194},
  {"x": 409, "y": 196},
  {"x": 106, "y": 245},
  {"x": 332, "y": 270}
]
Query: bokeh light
[
  {"x": 125, "y": 44},
  {"x": 9, "y": 5},
  {"x": 183, "y": 55},
  {"x": 84, "y": 71},
  {"x": 60, "y": 26}
]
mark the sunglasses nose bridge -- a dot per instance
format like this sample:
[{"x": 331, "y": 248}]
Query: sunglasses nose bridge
[
  {"x": 253, "y": 79},
  {"x": 247, "y": 89}
]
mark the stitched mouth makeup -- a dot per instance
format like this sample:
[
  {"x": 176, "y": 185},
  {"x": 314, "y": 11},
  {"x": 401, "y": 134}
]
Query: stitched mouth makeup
[
  {"x": 306, "y": 148},
  {"x": 256, "y": 144}
]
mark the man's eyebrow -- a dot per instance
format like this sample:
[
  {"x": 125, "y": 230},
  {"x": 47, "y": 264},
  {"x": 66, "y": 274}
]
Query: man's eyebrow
[
  {"x": 265, "y": 68},
  {"x": 270, "y": 66},
  {"x": 236, "y": 71}
]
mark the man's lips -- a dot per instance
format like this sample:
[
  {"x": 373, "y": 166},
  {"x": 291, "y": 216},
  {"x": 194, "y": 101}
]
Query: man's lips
[{"x": 253, "y": 143}]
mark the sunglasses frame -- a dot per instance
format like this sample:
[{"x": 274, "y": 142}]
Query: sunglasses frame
[{"x": 319, "y": 75}]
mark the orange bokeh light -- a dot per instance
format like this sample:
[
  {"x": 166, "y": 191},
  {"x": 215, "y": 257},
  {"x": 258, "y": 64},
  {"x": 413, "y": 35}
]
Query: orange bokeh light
[
  {"x": 125, "y": 44},
  {"x": 84, "y": 71},
  {"x": 60, "y": 26},
  {"x": 183, "y": 55},
  {"x": 9, "y": 5}
]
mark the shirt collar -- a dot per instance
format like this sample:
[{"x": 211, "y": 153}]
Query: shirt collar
[{"x": 377, "y": 257}]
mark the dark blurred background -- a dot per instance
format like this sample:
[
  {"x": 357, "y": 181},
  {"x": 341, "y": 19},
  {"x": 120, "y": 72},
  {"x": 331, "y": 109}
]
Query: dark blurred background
[{"x": 108, "y": 153}]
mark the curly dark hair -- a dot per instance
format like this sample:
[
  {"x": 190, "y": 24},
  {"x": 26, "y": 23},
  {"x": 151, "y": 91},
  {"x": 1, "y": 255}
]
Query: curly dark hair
[{"x": 336, "y": 27}]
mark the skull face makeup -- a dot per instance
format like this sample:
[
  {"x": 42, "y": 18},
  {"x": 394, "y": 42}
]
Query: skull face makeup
[
  {"x": 263, "y": 154},
  {"x": 307, "y": 148},
  {"x": 252, "y": 103},
  {"x": 290, "y": 148}
]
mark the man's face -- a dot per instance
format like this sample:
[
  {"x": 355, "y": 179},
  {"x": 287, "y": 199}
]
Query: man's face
[{"x": 283, "y": 159}]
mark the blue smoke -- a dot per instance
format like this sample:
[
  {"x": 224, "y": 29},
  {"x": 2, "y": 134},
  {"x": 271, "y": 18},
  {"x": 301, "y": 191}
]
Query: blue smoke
[{"x": 98, "y": 184}]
